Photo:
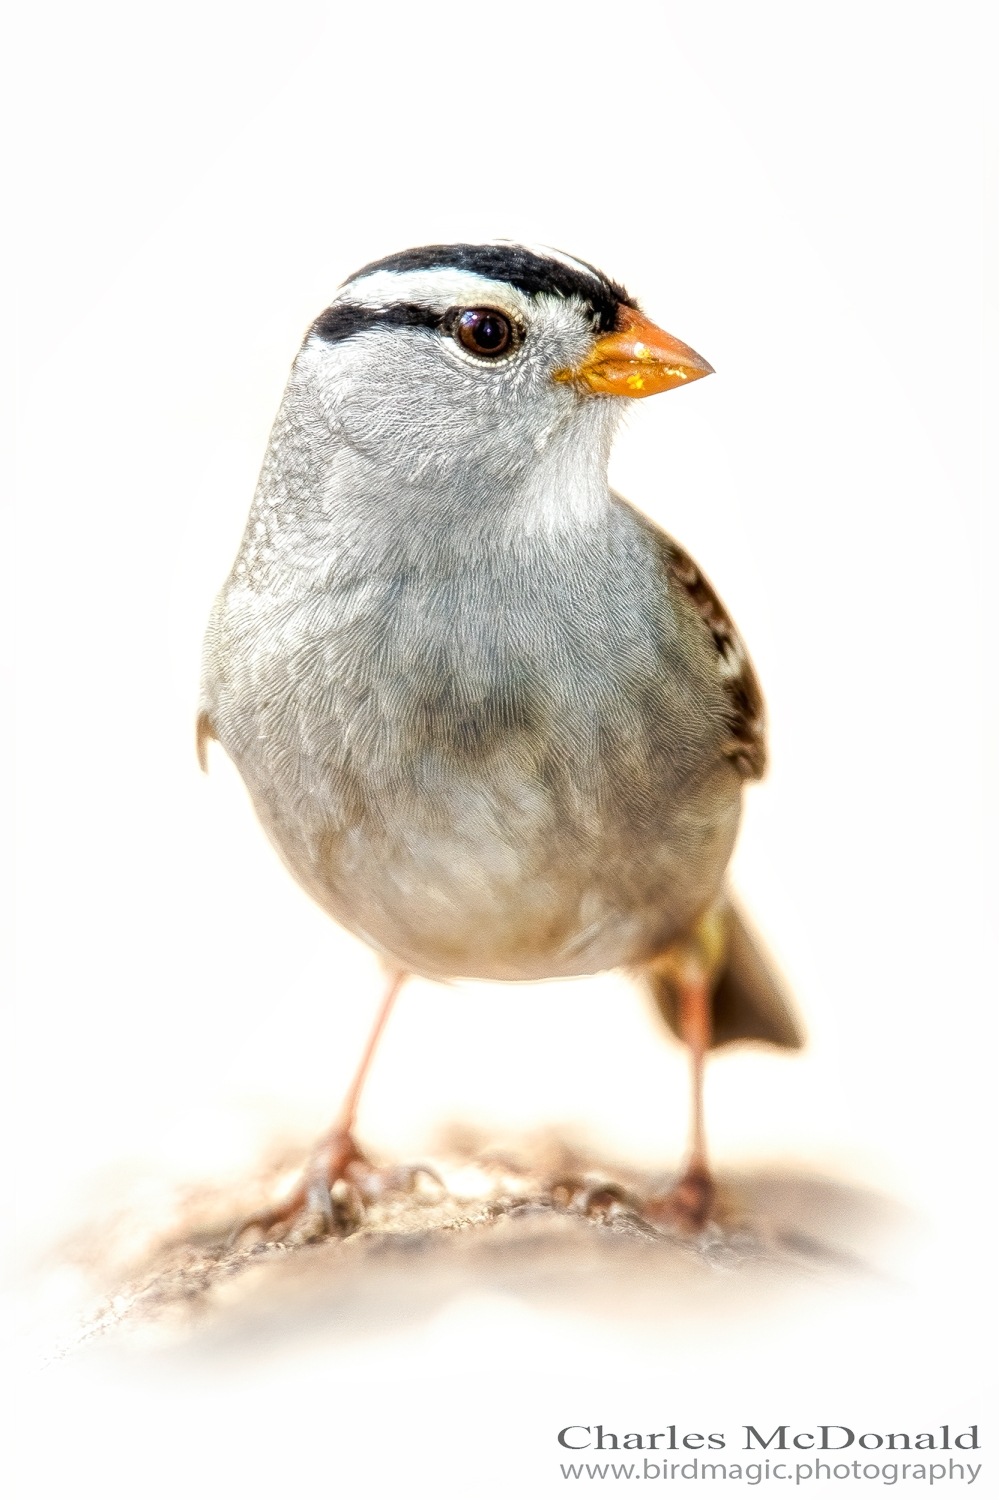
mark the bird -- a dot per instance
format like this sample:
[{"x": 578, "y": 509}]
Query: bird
[{"x": 494, "y": 720}]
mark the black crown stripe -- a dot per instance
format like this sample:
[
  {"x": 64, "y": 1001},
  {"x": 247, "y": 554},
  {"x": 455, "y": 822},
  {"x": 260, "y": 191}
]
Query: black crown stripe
[{"x": 520, "y": 267}]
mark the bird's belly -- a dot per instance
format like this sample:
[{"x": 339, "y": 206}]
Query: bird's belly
[
  {"x": 482, "y": 788},
  {"x": 499, "y": 876}
]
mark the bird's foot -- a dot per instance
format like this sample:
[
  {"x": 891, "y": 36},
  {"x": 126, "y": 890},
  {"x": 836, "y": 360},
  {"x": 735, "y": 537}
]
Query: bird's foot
[
  {"x": 689, "y": 1203},
  {"x": 688, "y": 1206},
  {"x": 338, "y": 1184}
]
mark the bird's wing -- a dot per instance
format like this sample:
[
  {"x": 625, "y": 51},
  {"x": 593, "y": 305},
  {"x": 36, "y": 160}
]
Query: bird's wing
[{"x": 746, "y": 746}]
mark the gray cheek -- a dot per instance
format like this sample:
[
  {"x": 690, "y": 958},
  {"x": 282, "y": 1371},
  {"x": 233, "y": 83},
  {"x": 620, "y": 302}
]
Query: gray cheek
[{"x": 420, "y": 418}]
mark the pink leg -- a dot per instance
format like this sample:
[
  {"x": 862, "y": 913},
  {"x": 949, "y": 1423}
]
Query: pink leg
[
  {"x": 331, "y": 1156},
  {"x": 690, "y": 1202},
  {"x": 336, "y": 1152},
  {"x": 347, "y": 1117}
]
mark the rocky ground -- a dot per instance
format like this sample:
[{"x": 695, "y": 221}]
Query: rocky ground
[{"x": 539, "y": 1219}]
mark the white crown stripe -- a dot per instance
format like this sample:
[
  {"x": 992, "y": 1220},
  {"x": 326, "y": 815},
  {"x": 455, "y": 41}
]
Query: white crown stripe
[{"x": 439, "y": 288}]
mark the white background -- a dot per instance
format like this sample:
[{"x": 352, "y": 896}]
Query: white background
[{"x": 792, "y": 189}]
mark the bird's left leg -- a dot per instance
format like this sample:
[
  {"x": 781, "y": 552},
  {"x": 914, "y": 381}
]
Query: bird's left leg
[
  {"x": 686, "y": 973},
  {"x": 336, "y": 1156},
  {"x": 690, "y": 1201},
  {"x": 715, "y": 986},
  {"x": 682, "y": 979}
]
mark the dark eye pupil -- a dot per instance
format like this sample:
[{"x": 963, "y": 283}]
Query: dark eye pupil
[{"x": 483, "y": 330}]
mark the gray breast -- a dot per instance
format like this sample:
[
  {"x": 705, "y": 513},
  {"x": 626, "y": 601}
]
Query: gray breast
[{"x": 505, "y": 767}]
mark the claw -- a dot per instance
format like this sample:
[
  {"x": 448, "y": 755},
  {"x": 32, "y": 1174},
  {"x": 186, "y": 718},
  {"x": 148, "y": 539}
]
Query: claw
[
  {"x": 319, "y": 1203},
  {"x": 339, "y": 1184},
  {"x": 565, "y": 1190},
  {"x": 587, "y": 1197},
  {"x": 266, "y": 1218},
  {"x": 604, "y": 1196},
  {"x": 402, "y": 1178}
]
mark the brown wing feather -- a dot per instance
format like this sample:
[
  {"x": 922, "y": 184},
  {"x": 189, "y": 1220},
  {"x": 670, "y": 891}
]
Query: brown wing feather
[{"x": 747, "y": 745}]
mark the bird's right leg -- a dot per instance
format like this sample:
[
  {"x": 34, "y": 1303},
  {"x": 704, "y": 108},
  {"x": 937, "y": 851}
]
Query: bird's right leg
[{"x": 336, "y": 1157}]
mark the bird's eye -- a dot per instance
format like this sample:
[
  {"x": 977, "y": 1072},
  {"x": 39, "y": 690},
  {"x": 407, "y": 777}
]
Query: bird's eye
[{"x": 483, "y": 331}]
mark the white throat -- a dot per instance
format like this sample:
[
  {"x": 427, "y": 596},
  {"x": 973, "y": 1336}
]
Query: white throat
[{"x": 566, "y": 488}]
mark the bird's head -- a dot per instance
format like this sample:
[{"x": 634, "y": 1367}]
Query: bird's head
[{"x": 470, "y": 360}]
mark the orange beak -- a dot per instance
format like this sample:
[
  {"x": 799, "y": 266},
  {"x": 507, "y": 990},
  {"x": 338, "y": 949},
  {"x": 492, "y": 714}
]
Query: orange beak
[{"x": 637, "y": 359}]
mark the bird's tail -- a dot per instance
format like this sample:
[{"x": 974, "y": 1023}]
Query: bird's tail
[{"x": 749, "y": 1000}]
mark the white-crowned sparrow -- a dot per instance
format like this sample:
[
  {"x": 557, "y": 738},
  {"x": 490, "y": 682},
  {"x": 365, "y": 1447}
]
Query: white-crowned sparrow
[{"x": 495, "y": 722}]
